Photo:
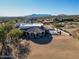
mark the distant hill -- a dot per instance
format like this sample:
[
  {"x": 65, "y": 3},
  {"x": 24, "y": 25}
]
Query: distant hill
[
  {"x": 44, "y": 17},
  {"x": 40, "y": 15},
  {"x": 37, "y": 15}
]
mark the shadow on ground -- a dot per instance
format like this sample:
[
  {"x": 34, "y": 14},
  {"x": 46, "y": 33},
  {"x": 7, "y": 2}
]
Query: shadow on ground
[{"x": 41, "y": 40}]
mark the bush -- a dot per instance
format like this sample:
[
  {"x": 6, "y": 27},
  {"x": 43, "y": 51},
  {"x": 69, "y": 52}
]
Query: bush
[
  {"x": 57, "y": 25},
  {"x": 76, "y": 34}
]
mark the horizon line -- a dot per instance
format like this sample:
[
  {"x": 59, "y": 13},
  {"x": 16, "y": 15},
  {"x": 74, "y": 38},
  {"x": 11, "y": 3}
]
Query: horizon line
[{"x": 38, "y": 14}]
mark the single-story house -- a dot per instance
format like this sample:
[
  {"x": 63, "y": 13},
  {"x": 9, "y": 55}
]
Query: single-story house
[{"x": 32, "y": 30}]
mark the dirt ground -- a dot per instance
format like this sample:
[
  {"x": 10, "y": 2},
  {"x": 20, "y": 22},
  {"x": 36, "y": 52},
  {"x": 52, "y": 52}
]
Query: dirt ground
[{"x": 61, "y": 47}]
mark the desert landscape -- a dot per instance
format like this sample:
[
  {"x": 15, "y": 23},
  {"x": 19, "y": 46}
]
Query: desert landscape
[
  {"x": 39, "y": 29},
  {"x": 61, "y": 47}
]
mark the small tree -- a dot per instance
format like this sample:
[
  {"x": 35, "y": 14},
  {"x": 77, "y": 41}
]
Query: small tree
[
  {"x": 2, "y": 39},
  {"x": 9, "y": 25},
  {"x": 2, "y": 35},
  {"x": 22, "y": 49},
  {"x": 14, "y": 35}
]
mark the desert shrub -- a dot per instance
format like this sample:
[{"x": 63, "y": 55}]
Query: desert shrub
[
  {"x": 21, "y": 51},
  {"x": 76, "y": 34},
  {"x": 57, "y": 25}
]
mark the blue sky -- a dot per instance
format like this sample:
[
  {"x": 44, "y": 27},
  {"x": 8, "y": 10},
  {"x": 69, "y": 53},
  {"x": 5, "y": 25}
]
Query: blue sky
[{"x": 27, "y": 7}]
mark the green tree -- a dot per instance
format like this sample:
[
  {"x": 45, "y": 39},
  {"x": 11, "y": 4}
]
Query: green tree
[
  {"x": 22, "y": 49},
  {"x": 14, "y": 35},
  {"x": 9, "y": 25},
  {"x": 2, "y": 34},
  {"x": 2, "y": 39}
]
